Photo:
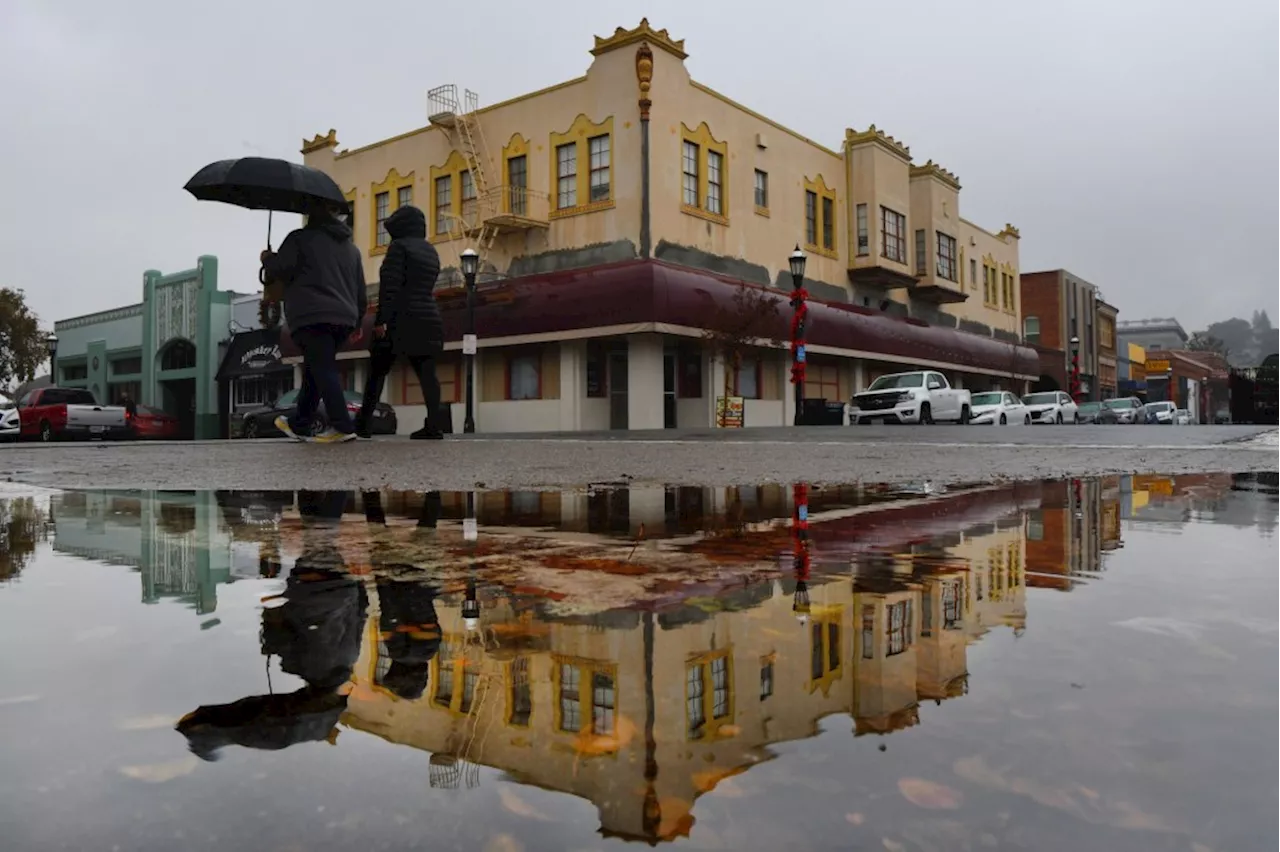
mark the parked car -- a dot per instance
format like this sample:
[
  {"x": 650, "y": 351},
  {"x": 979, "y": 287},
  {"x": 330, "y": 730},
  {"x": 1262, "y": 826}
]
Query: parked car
[
  {"x": 1222, "y": 417},
  {"x": 260, "y": 422},
  {"x": 918, "y": 397},
  {"x": 53, "y": 413},
  {"x": 1182, "y": 417},
  {"x": 1052, "y": 407},
  {"x": 1096, "y": 412},
  {"x": 1159, "y": 413},
  {"x": 9, "y": 420},
  {"x": 1128, "y": 409},
  {"x": 999, "y": 408},
  {"x": 153, "y": 424}
]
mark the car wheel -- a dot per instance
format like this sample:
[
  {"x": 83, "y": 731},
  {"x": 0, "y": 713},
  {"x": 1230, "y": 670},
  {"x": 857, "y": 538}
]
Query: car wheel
[
  {"x": 1026, "y": 421},
  {"x": 1057, "y": 418},
  {"x": 1075, "y": 418},
  {"x": 965, "y": 415},
  {"x": 1004, "y": 421},
  {"x": 47, "y": 435},
  {"x": 926, "y": 414},
  {"x": 250, "y": 429}
]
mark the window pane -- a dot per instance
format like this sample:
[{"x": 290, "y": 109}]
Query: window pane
[
  {"x": 444, "y": 203},
  {"x": 518, "y": 179},
  {"x": 714, "y": 178},
  {"x": 525, "y": 377},
  {"x": 828, "y": 224},
  {"x": 570, "y": 706},
  {"x": 762, "y": 189},
  {"x": 810, "y": 217},
  {"x": 603, "y": 696},
  {"x": 382, "y": 209},
  {"x": 863, "y": 237},
  {"x": 404, "y": 196},
  {"x": 598, "y": 148},
  {"x": 749, "y": 381},
  {"x": 689, "y": 159},
  {"x": 567, "y": 176},
  {"x": 694, "y": 688}
]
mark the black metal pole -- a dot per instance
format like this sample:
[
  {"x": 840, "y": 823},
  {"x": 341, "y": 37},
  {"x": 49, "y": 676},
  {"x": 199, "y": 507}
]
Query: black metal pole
[
  {"x": 797, "y": 304},
  {"x": 469, "y": 424}
]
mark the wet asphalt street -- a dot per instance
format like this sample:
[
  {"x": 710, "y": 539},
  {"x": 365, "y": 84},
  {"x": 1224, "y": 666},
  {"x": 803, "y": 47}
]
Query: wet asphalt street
[{"x": 705, "y": 457}]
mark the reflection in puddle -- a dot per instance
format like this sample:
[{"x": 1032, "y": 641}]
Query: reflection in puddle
[{"x": 640, "y": 648}]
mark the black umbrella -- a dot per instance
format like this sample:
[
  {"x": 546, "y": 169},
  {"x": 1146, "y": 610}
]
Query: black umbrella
[{"x": 263, "y": 183}]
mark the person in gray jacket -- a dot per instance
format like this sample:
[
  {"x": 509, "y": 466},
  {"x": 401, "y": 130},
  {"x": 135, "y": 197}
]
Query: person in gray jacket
[{"x": 324, "y": 303}]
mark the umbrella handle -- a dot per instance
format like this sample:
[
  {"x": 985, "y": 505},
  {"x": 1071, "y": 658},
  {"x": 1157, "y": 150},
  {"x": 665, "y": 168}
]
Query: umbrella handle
[{"x": 262, "y": 272}]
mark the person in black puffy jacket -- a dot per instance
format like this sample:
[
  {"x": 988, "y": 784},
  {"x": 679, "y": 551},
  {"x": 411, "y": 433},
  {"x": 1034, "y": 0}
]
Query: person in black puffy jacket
[{"x": 408, "y": 321}]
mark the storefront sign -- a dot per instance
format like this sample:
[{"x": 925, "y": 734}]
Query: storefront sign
[
  {"x": 260, "y": 357},
  {"x": 729, "y": 412},
  {"x": 1157, "y": 367}
]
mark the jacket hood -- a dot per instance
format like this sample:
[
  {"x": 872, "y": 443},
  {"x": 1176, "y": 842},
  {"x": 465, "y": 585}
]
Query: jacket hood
[
  {"x": 340, "y": 231},
  {"x": 407, "y": 221}
]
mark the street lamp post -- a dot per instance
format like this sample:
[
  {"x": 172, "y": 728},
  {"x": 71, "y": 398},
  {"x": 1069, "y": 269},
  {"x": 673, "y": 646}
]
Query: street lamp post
[
  {"x": 1075, "y": 370},
  {"x": 799, "y": 298},
  {"x": 51, "y": 346},
  {"x": 800, "y": 536},
  {"x": 470, "y": 265}
]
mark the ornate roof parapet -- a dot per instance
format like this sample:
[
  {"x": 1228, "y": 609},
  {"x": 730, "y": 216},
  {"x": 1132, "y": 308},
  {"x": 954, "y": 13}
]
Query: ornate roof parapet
[
  {"x": 879, "y": 137},
  {"x": 320, "y": 141},
  {"x": 1010, "y": 231},
  {"x": 932, "y": 169},
  {"x": 623, "y": 37}
]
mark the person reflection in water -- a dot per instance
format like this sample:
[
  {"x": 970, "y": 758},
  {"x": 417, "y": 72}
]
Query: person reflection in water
[
  {"x": 315, "y": 632},
  {"x": 408, "y": 628}
]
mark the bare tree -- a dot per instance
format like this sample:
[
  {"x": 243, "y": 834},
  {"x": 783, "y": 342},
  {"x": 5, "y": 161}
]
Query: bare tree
[{"x": 751, "y": 319}]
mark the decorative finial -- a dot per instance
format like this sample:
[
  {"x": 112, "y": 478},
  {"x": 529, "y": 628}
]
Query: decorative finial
[{"x": 644, "y": 74}]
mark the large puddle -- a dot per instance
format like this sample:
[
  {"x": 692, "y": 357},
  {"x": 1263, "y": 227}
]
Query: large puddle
[{"x": 1080, "y": 664}]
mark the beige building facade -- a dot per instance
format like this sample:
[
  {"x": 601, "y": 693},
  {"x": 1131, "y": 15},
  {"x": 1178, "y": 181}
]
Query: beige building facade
[{"x": 637, "y": 178}]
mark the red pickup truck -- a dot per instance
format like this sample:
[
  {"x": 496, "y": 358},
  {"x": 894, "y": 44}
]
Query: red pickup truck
[{"x": 53, "y": 414}]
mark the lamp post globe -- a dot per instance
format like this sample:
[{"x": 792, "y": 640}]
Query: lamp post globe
[
  {"x": 797, "y": 261},
  {"x": 51, "y": 347},
  {"x": 470, "y": 262}
]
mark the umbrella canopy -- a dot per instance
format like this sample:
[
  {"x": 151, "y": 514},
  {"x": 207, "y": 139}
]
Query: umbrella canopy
[{"x": 262, "y": 183}]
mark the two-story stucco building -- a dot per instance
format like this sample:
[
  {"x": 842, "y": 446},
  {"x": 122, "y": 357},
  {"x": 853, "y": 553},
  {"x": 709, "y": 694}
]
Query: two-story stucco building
[{"x": 615, "y": 213}]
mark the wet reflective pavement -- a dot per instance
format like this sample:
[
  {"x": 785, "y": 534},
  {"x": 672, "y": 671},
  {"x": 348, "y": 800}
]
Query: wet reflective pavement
[{"x": 1064, "y": 665}]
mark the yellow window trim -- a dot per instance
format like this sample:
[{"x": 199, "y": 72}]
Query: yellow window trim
[
  {"x": 1012, "y": 307},
  {"x": 519, "y": 147},
  {"x": 991, "y": 282},
  {"x": 460, "y": 665},
  {"x": 822, "y": 191},
  {"x": 578, "y": 133},
  {"x": 713, "y": 728},
  {"x": 391, "y": 184},
  {"x": 587, "y": 668},
  {"x": 451, "y": 168},
  {"x": 825, "y": 617},
  {"x": 706, "y": 142}
]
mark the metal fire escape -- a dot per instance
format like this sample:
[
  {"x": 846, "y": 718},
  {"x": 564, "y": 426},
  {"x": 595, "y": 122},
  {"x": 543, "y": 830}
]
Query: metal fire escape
[{"x": 459, "y": 121}]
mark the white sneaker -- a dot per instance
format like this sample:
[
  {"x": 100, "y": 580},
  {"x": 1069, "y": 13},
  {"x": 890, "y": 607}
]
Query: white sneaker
[{"x": 333, "y": 436}]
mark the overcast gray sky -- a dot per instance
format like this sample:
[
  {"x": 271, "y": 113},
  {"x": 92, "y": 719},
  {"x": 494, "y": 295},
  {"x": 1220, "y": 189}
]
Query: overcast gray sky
[{"x": 1132, "y": 141}]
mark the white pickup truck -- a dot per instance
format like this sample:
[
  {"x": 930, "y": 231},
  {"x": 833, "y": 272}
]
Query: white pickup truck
[{"x": 919, "y": 397}]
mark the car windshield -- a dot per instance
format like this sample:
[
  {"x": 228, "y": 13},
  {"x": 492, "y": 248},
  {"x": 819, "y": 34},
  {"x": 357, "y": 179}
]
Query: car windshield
[
  {"x": 1160, "y": 406},
  {"x": 986, "y": 399},
  {"x": 899, "y": 380},
  {"x": 1123, "y": 402},
  {"x": 1089, "y": 407},
  {"x": 1040, "y": 399}
]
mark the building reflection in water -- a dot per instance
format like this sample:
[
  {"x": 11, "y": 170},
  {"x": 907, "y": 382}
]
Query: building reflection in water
[{"x": 613, "y": 641}]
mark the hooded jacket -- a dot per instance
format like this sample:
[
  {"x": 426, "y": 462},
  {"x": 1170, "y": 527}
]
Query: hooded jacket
[
  {"x": 323, "y": 275},
  {"x": 406, "y": 281}
]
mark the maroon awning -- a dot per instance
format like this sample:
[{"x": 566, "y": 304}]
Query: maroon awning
[{"x": 652, "y": 291}]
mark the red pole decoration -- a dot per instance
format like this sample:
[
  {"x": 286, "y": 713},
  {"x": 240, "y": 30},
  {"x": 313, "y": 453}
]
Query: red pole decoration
[
  {"x": 800, "y": 538},
  {"x": 800, "y": 312},
  {"x": 1075, "y": 375}
]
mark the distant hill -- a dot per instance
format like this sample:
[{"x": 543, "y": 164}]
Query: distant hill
[{"x": 1244, "y": 342}]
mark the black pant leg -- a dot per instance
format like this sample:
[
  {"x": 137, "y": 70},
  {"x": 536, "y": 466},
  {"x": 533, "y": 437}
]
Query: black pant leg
[
  {"x": 381, "y": 360},
  {"x": 425, "y": 367}
]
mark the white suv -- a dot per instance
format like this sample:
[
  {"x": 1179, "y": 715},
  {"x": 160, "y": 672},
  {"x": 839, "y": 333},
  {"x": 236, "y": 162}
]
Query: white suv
[{"x": 1051, "y": 407}]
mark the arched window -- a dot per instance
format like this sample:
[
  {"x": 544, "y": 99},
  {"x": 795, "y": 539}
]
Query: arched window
[
  {"x": 1031, "y": 329},
  {"x": 178, "y": 355}
]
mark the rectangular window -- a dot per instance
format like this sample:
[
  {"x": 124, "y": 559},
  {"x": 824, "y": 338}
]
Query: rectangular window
[
  {"x": 689, "y": 378},
  {"x": 864, "y": 239},
  {"x": 126, "y": 366},
  {"x": 822, "y": 382},
  {"x": 947, "y": 268},
  {"x": 567, "y": 176},
  {"x": 766, "y": 678},
  {"x": 468, "y": 197},
  {"x": 715, "y": 176},
  {"x": 521, "y": 693},
  {"x": 404, "y": 196},
  {"x": 444, "y": 203},
  {"x": 517, "y": 185},
  {"x": 973, "y": 274},
  {"x": 603, "y": 703},
  {"x": 694, "y": 690},
  {"x": 570, "y": 700},
  {"x": 952, "y": 607},
  {"x": 868, "y": 633},
  {"x": 382, "y": 209},
  {"x": 762, "y": 190},
  {"x": 689, "y": 160},
  {"x": 829, "y": 224},
  {"x": 720, "y": 687},
  {"x": 598, "y": 151},
  {"x": 597, "y": 373},
  {"x": 810, "y": 217},
  {"x": 899, "y": 627},
  {"x": 922, "y": 253},
  {"x": 746, "y": 383},
  {"x": 893, "y": 227},
  {"x": 524, "y": 376}
]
